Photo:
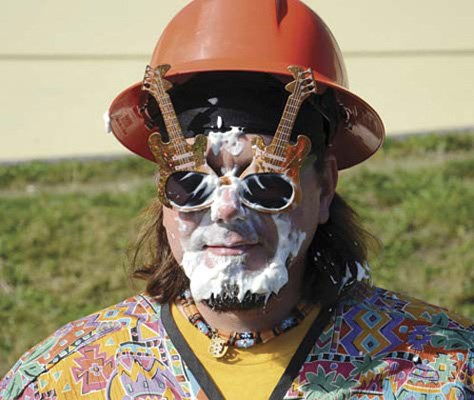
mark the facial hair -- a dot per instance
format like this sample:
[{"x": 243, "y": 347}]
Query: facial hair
[{"x": 225, "y": 283}]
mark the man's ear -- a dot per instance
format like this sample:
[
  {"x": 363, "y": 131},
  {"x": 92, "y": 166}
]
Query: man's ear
[{"x": 328, "y": 183}]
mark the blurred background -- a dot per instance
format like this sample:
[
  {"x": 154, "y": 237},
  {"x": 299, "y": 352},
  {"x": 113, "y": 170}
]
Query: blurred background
[
  {"x": 69, "y": 195},
  {"x": 62, "y": 63}
]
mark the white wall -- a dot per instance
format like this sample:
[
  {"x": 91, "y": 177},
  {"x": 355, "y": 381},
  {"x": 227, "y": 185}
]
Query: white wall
[{"x": 62, "y": 62}]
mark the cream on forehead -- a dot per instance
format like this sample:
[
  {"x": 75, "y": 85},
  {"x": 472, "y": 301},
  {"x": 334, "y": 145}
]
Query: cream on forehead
[{"x": 228, "y": 140}]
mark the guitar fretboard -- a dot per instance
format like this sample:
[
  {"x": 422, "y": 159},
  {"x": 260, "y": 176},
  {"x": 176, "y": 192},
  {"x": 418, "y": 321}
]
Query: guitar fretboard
[
  {"x": 182, "y": 156},
  {"x": 302, "y": 87},
  {"x": 286, "y": 124}
]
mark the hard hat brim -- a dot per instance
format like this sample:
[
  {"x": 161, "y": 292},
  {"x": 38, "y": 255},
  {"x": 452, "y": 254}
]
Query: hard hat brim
[{"x": 359, "y": 135}]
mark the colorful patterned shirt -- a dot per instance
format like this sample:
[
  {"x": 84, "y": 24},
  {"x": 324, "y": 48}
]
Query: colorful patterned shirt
[{"x": 375, "y": 344}]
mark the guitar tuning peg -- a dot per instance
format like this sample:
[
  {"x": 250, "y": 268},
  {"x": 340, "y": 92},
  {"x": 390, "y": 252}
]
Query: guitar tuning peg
[
  {"x": 295, "y": 70},
  {"x": 162, "y": 69}
]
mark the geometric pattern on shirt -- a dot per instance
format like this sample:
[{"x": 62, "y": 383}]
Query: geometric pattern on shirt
[{"x": 378, "y": 345}]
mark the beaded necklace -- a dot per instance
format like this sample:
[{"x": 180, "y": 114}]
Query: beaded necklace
[{"x": 221, "y": 341}]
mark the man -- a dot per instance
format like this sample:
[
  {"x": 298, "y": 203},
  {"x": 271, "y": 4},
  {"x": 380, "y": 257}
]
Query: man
[{"x": 257, "y": 282}]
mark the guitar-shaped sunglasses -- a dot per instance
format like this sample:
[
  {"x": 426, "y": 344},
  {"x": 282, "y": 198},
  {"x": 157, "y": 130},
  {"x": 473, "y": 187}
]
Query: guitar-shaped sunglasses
[{"x": 271, "y": 182}]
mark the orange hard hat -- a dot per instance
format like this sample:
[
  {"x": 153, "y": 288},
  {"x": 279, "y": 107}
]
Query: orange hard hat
[{"x": 256, "y": 36}]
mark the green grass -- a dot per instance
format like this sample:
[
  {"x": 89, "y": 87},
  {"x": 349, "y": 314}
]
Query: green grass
[{"x": 66, "y": 226}]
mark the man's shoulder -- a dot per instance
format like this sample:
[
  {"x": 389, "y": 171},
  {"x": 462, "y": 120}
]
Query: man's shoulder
[
  {"x": 390, "y": 345},
  {"x": 396, "y": 321},
  {"x": 404, "y": 307},
  {"x": 138, "y": 316}
]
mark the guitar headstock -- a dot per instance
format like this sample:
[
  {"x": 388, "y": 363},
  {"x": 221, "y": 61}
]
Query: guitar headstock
[
  {"x": 154, "y": 81},
  {"x": 304, "y": 84}
]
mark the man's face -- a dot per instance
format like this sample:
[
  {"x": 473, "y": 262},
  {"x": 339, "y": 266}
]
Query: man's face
[{"x": 236, "y": 257}]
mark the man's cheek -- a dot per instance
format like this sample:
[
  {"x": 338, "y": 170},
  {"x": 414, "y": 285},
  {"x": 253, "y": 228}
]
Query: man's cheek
[
  {"x": 178, "y": 224},
  {"x": 185, "y": 228}
]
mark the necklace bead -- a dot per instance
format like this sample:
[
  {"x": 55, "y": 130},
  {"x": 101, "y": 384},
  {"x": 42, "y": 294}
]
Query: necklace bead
[{"x": 220, "y": 342}]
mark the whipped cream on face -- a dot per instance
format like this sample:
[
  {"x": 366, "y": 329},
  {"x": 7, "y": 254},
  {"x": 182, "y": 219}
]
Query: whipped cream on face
[
  {"x": 204, "y": 189},
  {"x": 228, "y": 140},
  {"x": 210, "y": 274}
]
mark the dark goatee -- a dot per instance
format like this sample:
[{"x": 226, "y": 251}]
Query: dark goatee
[{"x": 229, "y": 301}]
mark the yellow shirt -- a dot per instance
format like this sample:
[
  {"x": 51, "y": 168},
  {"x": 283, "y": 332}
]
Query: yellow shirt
[{"x": 248, "y": 373}]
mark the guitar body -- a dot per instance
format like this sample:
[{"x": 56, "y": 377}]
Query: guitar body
[
  {"x": 281, "y": 157},
  {"x": 266, "y": 159},
  {"x": 177, "y": 154},
  {"x": 191, "y": 157}
]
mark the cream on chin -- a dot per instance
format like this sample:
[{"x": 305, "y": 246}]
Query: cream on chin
[
  {"x": 211, "y": 275},
  {"x": 226, "y": 272}
]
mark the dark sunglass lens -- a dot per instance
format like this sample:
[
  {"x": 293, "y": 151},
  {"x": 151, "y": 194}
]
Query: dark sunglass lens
[
  {"x": 187, "y": 189},
  {"x": 271, "y": 191}
]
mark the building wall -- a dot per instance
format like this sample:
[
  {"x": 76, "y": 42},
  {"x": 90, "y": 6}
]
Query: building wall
[{"x": 63, "y": 62}]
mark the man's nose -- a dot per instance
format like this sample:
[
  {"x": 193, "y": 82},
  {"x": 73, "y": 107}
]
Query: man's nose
[{"x": 227, "y": 205}]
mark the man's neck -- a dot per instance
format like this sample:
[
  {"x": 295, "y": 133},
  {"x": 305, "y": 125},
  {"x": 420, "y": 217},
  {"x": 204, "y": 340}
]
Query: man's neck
[{"x": 247, "y": 320}]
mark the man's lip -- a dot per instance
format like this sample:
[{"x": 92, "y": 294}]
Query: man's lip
[
  {"x": 230, "y": 249},
  {"x": 231, "y": 244}
]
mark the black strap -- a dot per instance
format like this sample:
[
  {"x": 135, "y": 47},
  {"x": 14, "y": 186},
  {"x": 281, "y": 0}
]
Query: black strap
[
  {"x": 293, "y": 368},
  {"x": 200, "y": 373}
]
